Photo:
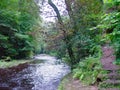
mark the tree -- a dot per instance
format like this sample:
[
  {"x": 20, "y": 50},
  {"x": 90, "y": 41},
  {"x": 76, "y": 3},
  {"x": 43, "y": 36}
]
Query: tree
[
  {"x": 83, "y": 15},
  {"x": 76, "y": 29},
  {"x": 17, "y": 22},
  {"x": 63, "y": 28}
]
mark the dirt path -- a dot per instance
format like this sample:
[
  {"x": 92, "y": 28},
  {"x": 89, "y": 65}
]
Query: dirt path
[
  {"x": 107, "y": 63},
  {"x": 108, "y": 58}
]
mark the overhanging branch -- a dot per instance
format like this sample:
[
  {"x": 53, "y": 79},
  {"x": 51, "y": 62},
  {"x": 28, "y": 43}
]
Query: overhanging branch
[{"x": 56, "y": 11}]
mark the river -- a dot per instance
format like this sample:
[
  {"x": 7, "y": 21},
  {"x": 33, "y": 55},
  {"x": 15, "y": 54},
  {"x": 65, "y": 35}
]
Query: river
[{"x": 44, "y": 73}]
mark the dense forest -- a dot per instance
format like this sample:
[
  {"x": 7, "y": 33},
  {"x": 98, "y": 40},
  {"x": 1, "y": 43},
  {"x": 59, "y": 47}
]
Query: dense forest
[
  {"x": 18, "y": 23},
  {"x": 77, "y": 37}
]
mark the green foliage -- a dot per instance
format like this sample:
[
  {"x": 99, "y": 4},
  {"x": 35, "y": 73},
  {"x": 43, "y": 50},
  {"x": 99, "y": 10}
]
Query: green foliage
[
  {"x": 85, "y": 17},
  {"x": 111, "y": 5},
  {"x": 117, "y": 62},
  {"x": 79, "y": 36},
  {"x": 90, "y": 27},
  {"x": 88, "y": 70},
  {"x": 108, "y": 32},
  {"x": 75, "y": 41},
  {"x": 110, "y": 29},
  {"x": 16, "y": 27},
  {"x": 108, "y": 85}
]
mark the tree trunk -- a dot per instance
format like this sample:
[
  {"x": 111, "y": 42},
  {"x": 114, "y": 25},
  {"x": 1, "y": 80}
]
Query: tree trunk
[
  {"x": 63, "y": 28},
  {"x": 73, "y": 24}
]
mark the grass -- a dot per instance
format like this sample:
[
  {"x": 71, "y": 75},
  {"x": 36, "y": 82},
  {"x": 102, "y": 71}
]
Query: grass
[
  {"x": 68, "y": 83},
  {"x": 64, "y": 81},
  {"x": 11, "y": 63},
  {"x": 107, "y": 85}
]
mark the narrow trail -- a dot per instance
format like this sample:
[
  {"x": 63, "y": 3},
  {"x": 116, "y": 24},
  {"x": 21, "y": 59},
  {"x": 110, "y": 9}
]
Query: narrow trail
[
  {"x": 113, "y": 77},
  {"x": 108, "y": 58}
]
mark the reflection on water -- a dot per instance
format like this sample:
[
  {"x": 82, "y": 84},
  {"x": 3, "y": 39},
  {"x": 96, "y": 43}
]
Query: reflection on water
[{"x": 44, "y": 73}]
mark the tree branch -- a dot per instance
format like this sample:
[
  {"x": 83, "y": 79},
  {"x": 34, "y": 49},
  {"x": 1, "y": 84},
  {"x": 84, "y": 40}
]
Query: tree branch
[{"x": 56, "y": 10}]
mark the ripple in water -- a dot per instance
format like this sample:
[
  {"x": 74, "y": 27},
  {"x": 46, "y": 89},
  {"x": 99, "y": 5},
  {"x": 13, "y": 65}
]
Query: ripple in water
[
  {"x": 49, "y": 73},
  {"x": 44, "y": 73}
]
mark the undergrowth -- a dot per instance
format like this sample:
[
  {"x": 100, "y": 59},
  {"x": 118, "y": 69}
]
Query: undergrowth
[{"x": 89, "y": 70}]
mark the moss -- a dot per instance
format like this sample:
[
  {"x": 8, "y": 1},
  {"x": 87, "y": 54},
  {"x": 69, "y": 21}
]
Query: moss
[{"x": 4, "y": 64}]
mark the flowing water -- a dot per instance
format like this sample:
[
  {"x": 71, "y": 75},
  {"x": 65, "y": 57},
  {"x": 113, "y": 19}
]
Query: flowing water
[{"x": 44, "y": 73}]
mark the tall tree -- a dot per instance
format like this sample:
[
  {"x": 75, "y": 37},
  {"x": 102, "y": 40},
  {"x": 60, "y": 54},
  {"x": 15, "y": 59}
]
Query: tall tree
[
  {"x": 63, "y": 28},
  {"x": 17, "y": 21}
]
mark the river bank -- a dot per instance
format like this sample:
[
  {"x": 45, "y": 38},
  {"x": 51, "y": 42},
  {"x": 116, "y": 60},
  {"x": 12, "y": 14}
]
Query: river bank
[
  {"x": 44, "y": 73},
  {"x": 12, "y": 63},
  {"x": 68, "y": 83}
]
